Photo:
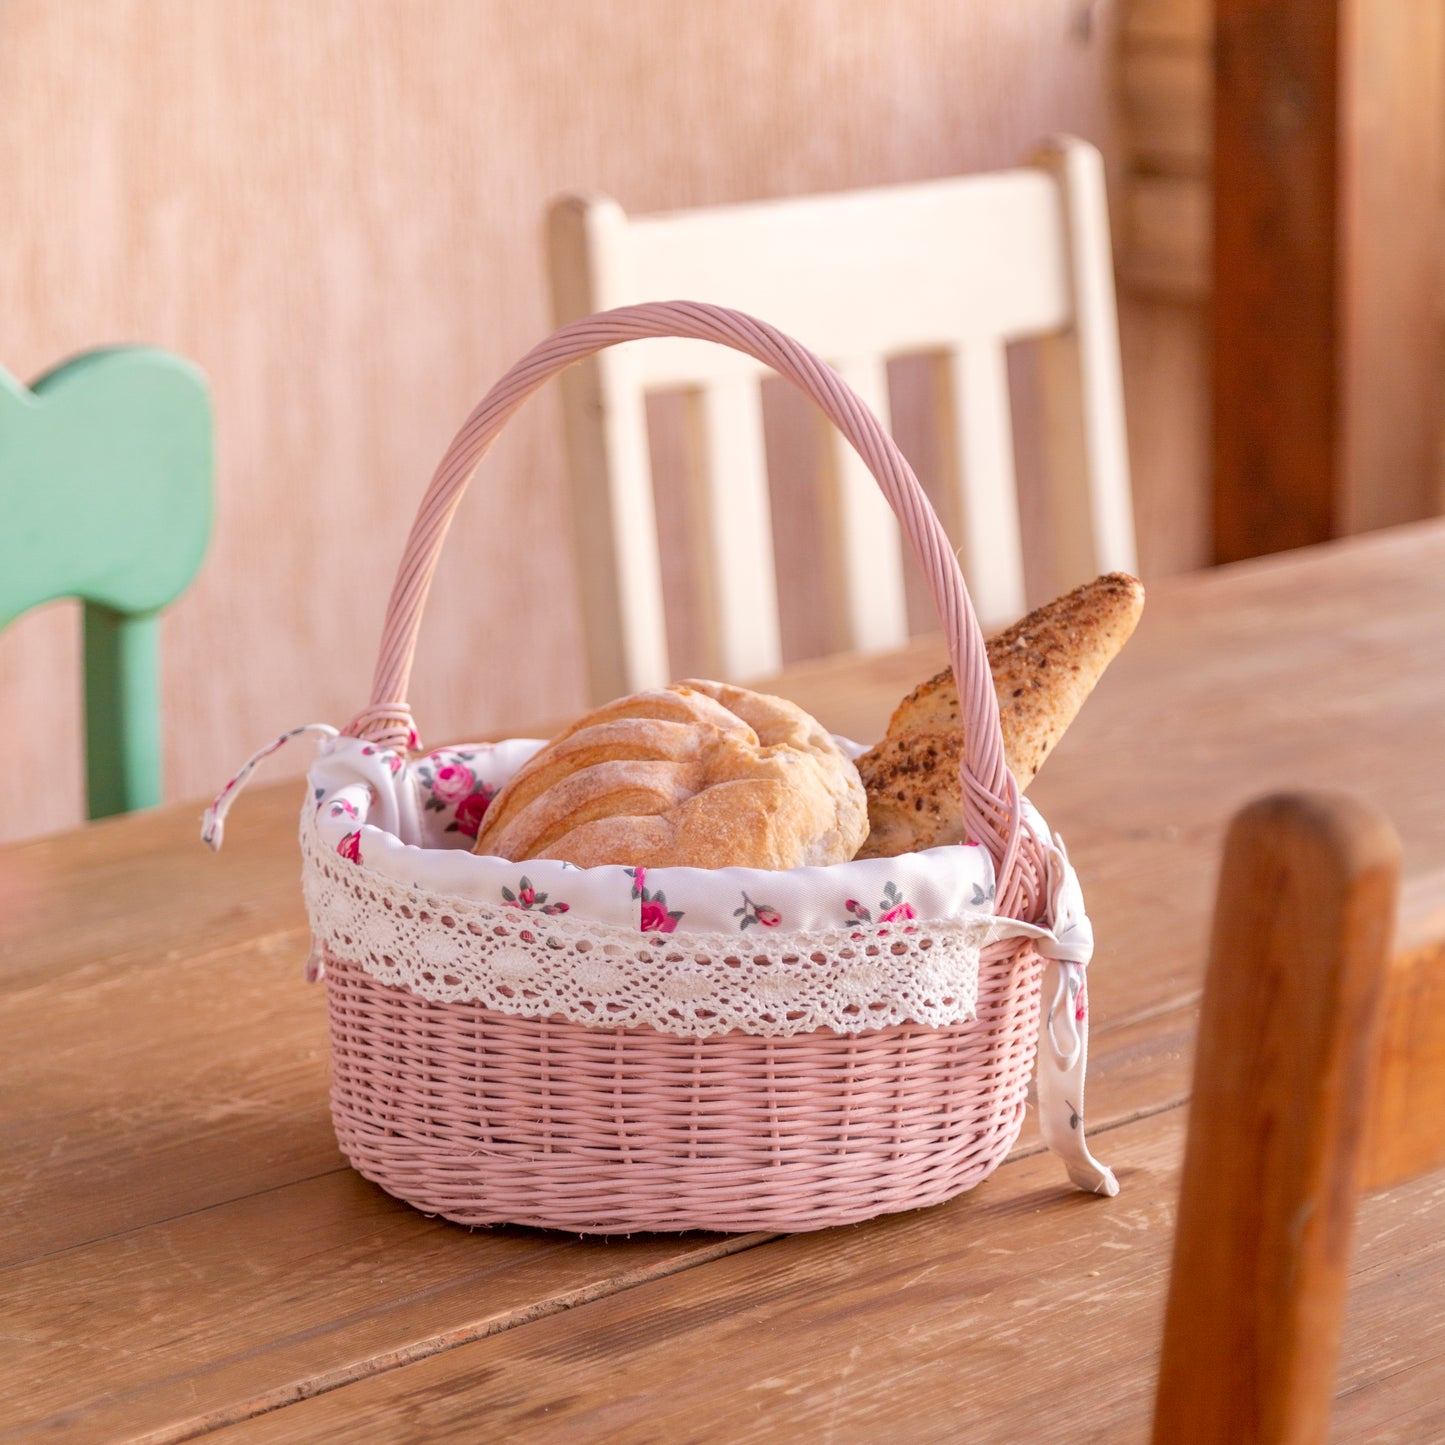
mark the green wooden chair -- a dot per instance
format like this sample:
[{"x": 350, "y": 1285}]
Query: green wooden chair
[{"x": 105, "y": 496}]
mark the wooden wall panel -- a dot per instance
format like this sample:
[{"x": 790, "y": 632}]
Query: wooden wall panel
[
  {"x": 1332, "y": 228},
  {"x": 1392, "y": 227},
  {"x": 335, "y": 207},
  {"x": 1165, "y": 87}
]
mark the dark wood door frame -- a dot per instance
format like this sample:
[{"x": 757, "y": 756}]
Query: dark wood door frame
[{"x": 1328, "y": 341}]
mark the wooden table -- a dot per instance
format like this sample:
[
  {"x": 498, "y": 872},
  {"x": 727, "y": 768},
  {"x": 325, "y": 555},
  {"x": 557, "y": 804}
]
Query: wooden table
[{"x": 183, "y": 1250}]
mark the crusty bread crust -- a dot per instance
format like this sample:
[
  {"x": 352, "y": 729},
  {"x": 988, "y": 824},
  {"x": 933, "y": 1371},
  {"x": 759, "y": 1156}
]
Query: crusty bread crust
[
  {"x": 1044, "y": 667},
  {"x": 700, "y": 774},
  {"x": 913, "y": 793}
]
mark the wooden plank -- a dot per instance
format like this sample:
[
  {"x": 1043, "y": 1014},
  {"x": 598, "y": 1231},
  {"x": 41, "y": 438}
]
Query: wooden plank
[
  {"x": 1165, "y": 96},
  {"x": 1391, "y": 221},
  {"x": 1165, "y": 71},
  {"x": 167, "y": 1332},
  {"x": 1166, "y": 234},
  {"x": 146, "y": 1088},
  {"x": 1184, "y": 23},
  {"x": 1390, "y": 1381},
  {"x": 614, "y": 532},
  {"x": 1287, "y": 1037},
  {"x": 987, "y": 1316},
  {"x": 1168, "y": 445},
  {"x": 139, "y": 889}
]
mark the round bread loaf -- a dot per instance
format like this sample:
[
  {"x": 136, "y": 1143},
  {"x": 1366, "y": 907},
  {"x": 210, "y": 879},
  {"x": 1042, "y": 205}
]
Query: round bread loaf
[{"x": 698, "y": 774}]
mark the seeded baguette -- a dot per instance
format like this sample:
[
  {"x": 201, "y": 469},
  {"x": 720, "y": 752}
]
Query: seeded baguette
[{"x": 1044, "y": 667}]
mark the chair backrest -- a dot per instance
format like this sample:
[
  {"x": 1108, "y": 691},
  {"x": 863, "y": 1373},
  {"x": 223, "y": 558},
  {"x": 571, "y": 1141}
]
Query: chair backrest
[
  {"x": 956, "y": 269},
  {"x": 1320, "y": 1070},
  {"x": 105, "y": 495}
]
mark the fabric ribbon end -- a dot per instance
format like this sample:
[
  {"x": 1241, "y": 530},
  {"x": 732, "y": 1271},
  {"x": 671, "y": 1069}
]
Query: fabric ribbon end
[
  {"x": 213, "y": 820},
  {"x": 1095, "y": 1179},
  {"x": 1064, "y": 1041}
]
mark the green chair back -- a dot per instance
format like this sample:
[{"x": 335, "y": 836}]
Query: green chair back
[{"x": 105, "y": 496}]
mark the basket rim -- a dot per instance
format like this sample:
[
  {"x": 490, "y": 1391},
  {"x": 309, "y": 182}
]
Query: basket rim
[{"x": 771, "y": 983}]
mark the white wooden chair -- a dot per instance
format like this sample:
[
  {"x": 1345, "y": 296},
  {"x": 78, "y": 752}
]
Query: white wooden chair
[{"x": 957, "y": 268}]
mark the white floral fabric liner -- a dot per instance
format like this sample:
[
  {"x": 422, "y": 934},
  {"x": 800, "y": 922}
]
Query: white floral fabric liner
[
  {"x": 391, "y": 883},
  {"x": 414, "y": 823}
]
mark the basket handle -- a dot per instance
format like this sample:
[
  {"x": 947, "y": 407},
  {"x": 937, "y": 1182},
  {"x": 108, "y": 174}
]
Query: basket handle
[{"x": 992, "y": 809}]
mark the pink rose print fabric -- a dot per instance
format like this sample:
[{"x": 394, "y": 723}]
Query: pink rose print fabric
[
  {"x": 528, "y": 899},
  {"x": 386, "y": 756},
  {"x": 450, "y": 786},
  {"x": 451, "y": 783},
  {"x": 654, "y": 915},
  {"x": 763, "y": 914},
  {"x": 893, "y": 907},
  {"x": 468, "y": 819}
]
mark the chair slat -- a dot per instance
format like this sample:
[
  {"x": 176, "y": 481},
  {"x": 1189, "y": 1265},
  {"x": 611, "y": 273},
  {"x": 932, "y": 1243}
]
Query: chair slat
[
  {"x": 861, "y": 539},
  {"x": 978, "y": 424},
  {"x": 1087, "y": 441},
  {"x": 618, "y": 557},
  {"x": 1406, "y": 1135},
  {"x": 881, "y": 271},
  {"x": 733, "y": 525}
]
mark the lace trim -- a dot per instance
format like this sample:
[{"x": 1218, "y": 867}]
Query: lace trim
[{"x": 454, "y": 950}]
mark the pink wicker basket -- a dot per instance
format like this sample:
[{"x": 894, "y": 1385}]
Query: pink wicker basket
[{"x": 487, "y": 1117}]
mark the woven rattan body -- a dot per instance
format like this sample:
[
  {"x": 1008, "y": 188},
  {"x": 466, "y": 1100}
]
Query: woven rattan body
[{"x": 484, "y": 1117}]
